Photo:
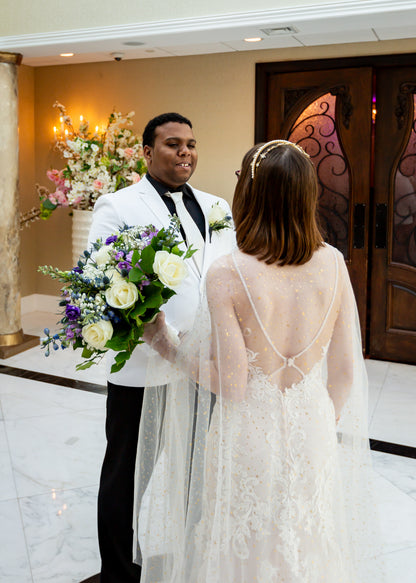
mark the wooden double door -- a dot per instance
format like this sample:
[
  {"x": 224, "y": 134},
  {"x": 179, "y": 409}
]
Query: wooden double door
[{"x": 356, "y": 118}]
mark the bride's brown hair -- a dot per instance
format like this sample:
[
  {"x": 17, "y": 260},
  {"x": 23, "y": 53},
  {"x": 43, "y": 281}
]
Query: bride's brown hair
[{"x": 275, "y": 204}]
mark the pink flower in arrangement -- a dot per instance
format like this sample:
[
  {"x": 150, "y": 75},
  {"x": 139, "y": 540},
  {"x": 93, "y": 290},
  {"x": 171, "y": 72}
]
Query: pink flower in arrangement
[
  {"x": 135, "y": 177},
  {"x": 52, "y": 198},
  {"x": 128, "y": 152},
  {"x": 61, "y": 198},
  {"x": 98, "y": 184},
  {"x": 54, "y": 175},
  {"x": 76, "y": 200}
]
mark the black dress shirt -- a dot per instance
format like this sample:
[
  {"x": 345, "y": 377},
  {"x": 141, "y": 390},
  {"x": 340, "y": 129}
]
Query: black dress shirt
[{"x": 189, "y": 200}]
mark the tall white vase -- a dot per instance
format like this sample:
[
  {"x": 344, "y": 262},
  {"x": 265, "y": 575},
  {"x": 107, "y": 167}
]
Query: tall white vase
[{"x": 81, "y": 223}]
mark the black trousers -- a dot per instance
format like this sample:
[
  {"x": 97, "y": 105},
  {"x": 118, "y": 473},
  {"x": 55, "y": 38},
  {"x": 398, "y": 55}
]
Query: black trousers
[{"x": 115, "y": 495}]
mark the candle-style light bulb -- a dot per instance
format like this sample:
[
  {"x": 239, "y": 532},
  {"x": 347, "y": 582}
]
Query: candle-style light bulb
[
  {"x": 96, "y": 129},
  {"x": 81, "y": 117},
  {"x": 61, "y": 119},
  {"x": 66, "y": 132}
]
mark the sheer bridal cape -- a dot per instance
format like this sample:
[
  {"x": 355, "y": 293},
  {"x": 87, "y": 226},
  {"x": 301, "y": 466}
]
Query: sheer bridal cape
[{"x": 253, "y": 463}]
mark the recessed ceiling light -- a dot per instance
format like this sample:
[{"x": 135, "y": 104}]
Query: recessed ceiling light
[
  {"x": 133, "y": 43},
  {"x": 66, "y": 55},
  {"x": 255, "y": 39}
]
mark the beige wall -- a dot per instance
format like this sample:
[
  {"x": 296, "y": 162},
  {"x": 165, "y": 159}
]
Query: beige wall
[{"x": 215, "y": 91}]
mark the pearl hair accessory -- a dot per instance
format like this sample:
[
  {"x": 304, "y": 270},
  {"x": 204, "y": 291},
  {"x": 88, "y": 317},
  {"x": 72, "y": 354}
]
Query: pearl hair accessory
[{"x": 259, "y": 155}]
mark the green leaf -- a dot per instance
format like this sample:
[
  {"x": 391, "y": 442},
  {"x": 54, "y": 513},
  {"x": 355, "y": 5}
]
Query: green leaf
[
  {"x": 84, "y": 365},
  {"x": 154, "y": 301},
  {"x": 120, "y": 360},
  {"x": 135, "y": 257},
  {"x": 117, "y": 342},
  {"x": 48, "y": 205},
  {"x": 148, "y": 257},
  {"x": 167, "y": 293},
  {"x": 87, "y": 352},
  {"x": 136, "y": 274}
]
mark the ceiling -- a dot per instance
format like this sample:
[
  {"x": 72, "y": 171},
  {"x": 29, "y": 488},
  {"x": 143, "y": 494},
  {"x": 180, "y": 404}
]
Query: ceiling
[{"x": 344, "y": 22}]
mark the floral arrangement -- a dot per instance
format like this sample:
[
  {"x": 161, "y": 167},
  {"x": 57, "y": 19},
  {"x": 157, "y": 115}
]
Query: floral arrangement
[
  {"x": 95, "y": 163},
  {"x": 115, "y": 289}
]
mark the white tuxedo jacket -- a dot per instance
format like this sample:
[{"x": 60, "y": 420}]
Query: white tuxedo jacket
[{"x": 140, "y": 204}]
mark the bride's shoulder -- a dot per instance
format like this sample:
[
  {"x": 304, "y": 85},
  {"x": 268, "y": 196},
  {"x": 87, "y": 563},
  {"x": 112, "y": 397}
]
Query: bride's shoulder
[
  {"x": 220, "y": 266},
  {"x": 328, "y": 250}
]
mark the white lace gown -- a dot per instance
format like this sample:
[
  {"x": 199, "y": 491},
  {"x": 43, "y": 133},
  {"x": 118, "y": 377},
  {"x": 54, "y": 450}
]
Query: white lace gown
[
  {"x": 274, "y": 513},
  {"x": 277, "y": 490}
]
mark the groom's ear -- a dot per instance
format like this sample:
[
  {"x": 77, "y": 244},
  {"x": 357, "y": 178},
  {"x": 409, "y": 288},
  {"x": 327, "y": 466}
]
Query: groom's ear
[{"x": 148, "y": 153}]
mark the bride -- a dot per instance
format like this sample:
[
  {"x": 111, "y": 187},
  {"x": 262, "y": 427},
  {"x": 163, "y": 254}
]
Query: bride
[{"x": 268, "y": 481}]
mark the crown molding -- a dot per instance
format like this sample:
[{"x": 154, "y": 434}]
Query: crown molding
[{"x": 283, "y": 16}]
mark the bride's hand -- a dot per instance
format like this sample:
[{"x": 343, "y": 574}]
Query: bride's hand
[
  {"x": 157, "y": 335},
  {"x": 155, "y": 330}
]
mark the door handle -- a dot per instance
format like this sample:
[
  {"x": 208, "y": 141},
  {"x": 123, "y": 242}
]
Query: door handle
[
  {"x": 359, "y": 226},
  {"x": 381, "y": 226}
]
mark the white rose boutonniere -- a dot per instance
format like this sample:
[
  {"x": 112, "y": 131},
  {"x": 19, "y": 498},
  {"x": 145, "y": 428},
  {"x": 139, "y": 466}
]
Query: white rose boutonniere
[{"x": 218, "y": 219}]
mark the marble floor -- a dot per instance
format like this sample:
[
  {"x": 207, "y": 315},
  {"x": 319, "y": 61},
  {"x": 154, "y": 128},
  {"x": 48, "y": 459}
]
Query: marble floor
[{"x": 52, "y": 443}]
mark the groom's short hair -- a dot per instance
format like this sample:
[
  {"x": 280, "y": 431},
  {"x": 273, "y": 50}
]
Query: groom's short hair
[{"x": 150, "y": 129}]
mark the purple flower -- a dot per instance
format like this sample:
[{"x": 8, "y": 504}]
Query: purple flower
[
  {"x": 129, "y": 256},
  {"x": 124, "y": 265},
  {"x": 111, "y": 239},
  {"x": 72, "y": 312},
  {"x": 119, "y": 255},
  {"x": 69, "y": 333},
  {"x": 151, "y": 234},
  {"x": 77, "y": 269}
]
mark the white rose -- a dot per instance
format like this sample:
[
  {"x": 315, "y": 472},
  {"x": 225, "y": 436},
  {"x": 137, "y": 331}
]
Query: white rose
[
  {"x": 122, "y": 294},
  {"x": 112, "y": 274},
  {"x": 97, "y": 334},
  {"x": 217, "y": 214},
  {"x": 170, "y": 268},
  {"x": 102, "y": 256}
]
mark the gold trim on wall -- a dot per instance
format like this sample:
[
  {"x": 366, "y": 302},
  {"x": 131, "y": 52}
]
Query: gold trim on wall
[{"x": 11, "y": 58}]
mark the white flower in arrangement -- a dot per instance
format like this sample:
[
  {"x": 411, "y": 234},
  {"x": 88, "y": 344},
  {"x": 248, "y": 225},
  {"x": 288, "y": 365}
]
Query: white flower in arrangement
[
  {"x": 122, "y": 294},
  {"x": 98, "y": 333},
  {"x": 92, "y": 271},
  {"x": 113, "y": 274},
  {"x": 103, "y": 255},
  {"x": 170, "y": 268}
]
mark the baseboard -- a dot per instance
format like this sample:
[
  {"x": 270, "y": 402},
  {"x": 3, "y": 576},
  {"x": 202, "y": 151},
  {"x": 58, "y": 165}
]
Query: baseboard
[{"x": 39, "y": 303}]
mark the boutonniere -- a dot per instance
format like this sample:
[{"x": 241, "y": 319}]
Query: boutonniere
[{"x": 218, "y": 219}]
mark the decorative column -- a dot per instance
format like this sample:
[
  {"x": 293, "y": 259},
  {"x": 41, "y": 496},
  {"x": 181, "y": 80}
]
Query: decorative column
[{"x": 12, "y": 339}]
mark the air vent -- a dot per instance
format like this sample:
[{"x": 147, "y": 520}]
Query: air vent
[
  {"x": 279, "y": 30},
  {"x": 133, "y": 43}
]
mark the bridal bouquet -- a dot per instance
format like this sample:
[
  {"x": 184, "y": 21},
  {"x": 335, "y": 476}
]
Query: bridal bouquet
[
  {"x": 115, "y": 289},
  {"x": 96, "y": 163}
]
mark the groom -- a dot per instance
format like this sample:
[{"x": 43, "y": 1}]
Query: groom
[{"x": 169, "y": 147}]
